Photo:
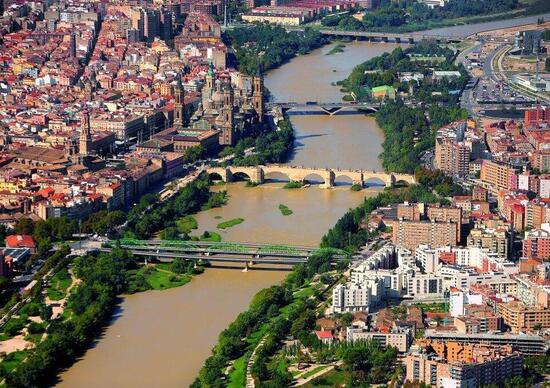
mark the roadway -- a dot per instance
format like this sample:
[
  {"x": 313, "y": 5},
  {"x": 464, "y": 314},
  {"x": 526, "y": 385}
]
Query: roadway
[{"x": 491, "y": 89}]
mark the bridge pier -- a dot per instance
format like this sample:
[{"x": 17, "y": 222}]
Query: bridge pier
[
  {"x": 329, "y": 179},
  {"x": 390, "y": 181}
]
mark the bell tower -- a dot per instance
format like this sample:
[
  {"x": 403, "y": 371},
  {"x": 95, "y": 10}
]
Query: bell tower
[
  {"x": 257, "y": 96},
  {"x": 85, "y": 135},
  {"x": 227, "y": 116}
]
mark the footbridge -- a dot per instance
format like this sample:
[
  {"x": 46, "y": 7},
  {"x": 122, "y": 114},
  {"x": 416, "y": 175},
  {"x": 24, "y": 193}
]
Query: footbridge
[
  {"x": 328, "y": 176},
  {"x": 326, "y": 108},
  {"x": 229, "y": 252}
]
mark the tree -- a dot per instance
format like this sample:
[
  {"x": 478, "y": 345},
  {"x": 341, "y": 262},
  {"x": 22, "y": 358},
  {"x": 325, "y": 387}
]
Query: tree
[
  {"x": 193, "y": 154},
  {"x": 24, "y": 226},
  {"x": 179, "y": 266},
  {"x": 303, "y": 358},
  {"x": 346, "y": 319}
]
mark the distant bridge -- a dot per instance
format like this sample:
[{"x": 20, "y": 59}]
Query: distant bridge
[
  {"x": 326, "y": 108},
  {"x": 406, "y": 37},
  {"x": 259, "y": 174},
  {"x": 247, "y": 253}
]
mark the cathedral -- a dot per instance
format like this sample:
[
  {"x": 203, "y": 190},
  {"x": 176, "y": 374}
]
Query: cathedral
[{"x": 230, "y": 105}]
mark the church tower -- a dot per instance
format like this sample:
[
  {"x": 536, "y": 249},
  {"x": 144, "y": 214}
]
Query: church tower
[
  {"x": 179, "y": 105},
  {"x": 257, "y": 97},
  {"x": 227, "y": 116},
  {"x": 208, "y": 88},
  {"x": 85, "y": 135}
]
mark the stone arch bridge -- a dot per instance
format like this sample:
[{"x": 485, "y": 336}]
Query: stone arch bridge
[{"x": 258, "y": 174}]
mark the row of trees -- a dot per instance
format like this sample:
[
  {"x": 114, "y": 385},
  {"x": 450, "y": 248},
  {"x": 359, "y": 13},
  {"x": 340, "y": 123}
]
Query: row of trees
[
  {"x": 104, "y": 277},
  {"x": 150, "y": 216},
  {"x": 264, "y": 47},
  {"x": 265, "y": 305},
  {"x": 406, "y": 15}
]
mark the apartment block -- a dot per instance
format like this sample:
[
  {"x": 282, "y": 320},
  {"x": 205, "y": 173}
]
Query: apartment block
[{"x": 410, "y": 234}]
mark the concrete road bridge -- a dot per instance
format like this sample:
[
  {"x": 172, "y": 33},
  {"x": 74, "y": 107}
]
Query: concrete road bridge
[
  {"x": 397, "y": 37},
  {"x": 228, "y": 252},
  {"x": 325, "y": 108},
  {"x": 328, "y": 176}
]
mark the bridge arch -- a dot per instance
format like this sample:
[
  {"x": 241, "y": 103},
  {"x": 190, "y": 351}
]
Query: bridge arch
[
  {"x": 317, "y": 178},
  {"x": 241, "y": 176},
  {"x": 375, "y": 181},
  {"x": 277, "y": 176},
  {"x": 215, "y": 176},
  {"x": 343, "y": 180}
]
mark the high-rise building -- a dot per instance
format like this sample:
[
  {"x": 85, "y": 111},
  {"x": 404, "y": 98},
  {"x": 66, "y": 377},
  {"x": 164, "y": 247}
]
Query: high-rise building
[
  {"x": 449, "y": 364},
  {"x": 410, "y": 234},
  {"x": 498, "y": 176},
  {"x": 151, "y": 24},
  {"x": 166, "y": 24},
  {"x": 451, "y": 157}
]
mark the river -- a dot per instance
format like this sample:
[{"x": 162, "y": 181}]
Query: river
[{"x": 161, "y": 338}]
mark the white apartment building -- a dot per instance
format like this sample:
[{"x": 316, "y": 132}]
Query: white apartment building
[
  {"x": 425, "y": 286},
  {"x": 458, "y": 299},
  {"x": 356, "y": 297}
]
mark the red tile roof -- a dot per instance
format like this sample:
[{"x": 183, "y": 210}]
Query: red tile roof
[{"x": 19, "y": 241}]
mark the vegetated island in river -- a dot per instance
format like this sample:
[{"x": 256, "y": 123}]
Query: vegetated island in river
[
  {"x": 230, "y": 223},
  {"x": 339, "y": 48},
  {"x": 285, "y": 211}
]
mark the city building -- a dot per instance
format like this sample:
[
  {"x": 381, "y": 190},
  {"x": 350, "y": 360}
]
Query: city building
[{"x": 456, "y": 365}]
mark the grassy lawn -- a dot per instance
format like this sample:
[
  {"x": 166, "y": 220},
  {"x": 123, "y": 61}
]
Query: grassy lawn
[
  {"x": 303, "y": 293},
  {"x": 230, "y": 223},
  {"x": 285, "y": 211},
  {"x": 313, "y": 371},
  {"x": 34, "y": 338},
  {"x": 211, "y": 236},
  {"x": 12, "y": 360},
  {"x": 160, "y": 280},
  {"x": 431, "y": 307},
  {"x": 257, "y": 335},
  {"x": 238, "y": 375},
  {"x": 58, "y": 285},
  {"x": 186, "y": 224},
  {"x": 334, "y": 378}
]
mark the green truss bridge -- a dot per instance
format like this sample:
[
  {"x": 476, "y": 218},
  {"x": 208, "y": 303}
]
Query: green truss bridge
[{"x": 229, "y": 252}]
